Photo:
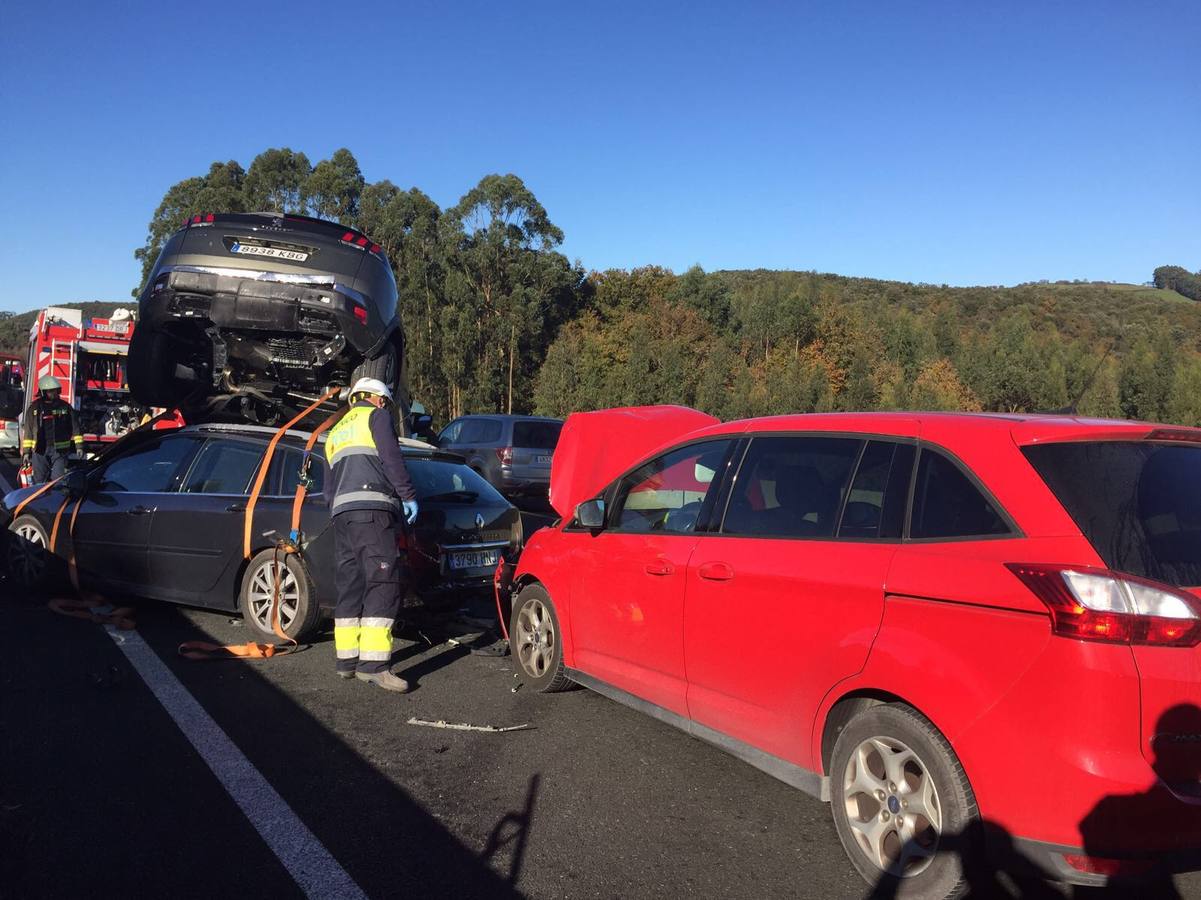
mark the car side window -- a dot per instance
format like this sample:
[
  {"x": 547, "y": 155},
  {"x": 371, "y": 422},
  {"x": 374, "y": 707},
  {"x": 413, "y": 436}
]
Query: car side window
[
  {"x": 154, "y": 468},
  {"x": 223, "y": 467},
  {"x": 946, "y": 504},
  {"x": 667, "y": 495},
  {"x": 791, "y": 487},
  {"x": 875, "y": 506},
  {"x": 284, "y": 475},
  {"x": 450, "y": 434},
  {"x": 479, "y": 431}
]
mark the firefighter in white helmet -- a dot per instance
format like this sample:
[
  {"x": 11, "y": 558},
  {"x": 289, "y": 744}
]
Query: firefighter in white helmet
[
  {"x": 371, "y": 488},
  {"x": 49, "y": 431}
]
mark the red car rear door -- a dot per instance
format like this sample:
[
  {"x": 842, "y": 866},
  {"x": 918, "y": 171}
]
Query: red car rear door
[
  {"x": 786, "y": 602},
  {"x": 628, "y": 579}
]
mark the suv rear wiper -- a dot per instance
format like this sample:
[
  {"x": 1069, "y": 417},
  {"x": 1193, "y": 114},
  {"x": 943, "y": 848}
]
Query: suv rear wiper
[{"x": 466, "y": 496}]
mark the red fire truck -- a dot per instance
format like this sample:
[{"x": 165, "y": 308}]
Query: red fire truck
[{"x": 88, "y": 358}]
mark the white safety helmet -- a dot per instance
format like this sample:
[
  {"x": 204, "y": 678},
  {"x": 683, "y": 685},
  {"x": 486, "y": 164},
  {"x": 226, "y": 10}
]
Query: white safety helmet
[
  {"x": 49, "y": 383},
  {"x": 371, "y": 386}
]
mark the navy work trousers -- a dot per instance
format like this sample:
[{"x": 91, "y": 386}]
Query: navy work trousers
[
  {"x": 49, "y": 465},
  {"x": 368, "y": 580}
]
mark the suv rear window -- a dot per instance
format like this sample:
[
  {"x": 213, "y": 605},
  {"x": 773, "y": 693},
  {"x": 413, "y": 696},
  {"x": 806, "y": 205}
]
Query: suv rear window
[
  {"x": 1138, "y": 503},
  {"x": 536, "y": 435}
]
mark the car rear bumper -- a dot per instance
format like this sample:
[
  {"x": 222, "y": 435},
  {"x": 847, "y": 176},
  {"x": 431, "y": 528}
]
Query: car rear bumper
[
  {"x": 525, "y": 486},
  {"x": 247, "y": 302}
]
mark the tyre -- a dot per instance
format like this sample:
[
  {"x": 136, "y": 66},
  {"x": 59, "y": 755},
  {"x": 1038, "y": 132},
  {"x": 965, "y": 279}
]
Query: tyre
[
  {"x": 151, "y": 370},
  {"x": 382, "y": 368},
  {"x": 30, "y": 562},
  {"x": 902, "y": 804},
  {"x": 536, "y": 641},
  {"x": 299, "y": 611}
]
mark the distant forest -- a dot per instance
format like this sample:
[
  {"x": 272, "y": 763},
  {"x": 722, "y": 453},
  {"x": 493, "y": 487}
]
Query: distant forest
[{"x": 499, "y": 320}]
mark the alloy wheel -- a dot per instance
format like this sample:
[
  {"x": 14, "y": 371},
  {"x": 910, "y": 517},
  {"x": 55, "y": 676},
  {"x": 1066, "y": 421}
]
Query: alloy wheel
[
  {"x": 262, "y": 590},
  {"x": 27, "y": 554},
  {"x": 892, "y": 806},
  {"x": 535, "y": 638}
]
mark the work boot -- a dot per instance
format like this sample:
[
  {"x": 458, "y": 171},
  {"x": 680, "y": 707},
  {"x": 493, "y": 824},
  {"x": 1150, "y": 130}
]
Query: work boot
[{"x": 386, "y": 680}]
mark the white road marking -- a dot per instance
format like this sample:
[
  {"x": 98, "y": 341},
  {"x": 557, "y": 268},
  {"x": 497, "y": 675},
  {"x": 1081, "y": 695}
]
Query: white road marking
[{"x": 313, "y": 868}]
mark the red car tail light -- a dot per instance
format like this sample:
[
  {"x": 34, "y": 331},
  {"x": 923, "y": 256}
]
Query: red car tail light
[
  {"x": 360, "y": 313},
  {"x": 1102, "y": 605},
  {"x": 505, "y": 455}
]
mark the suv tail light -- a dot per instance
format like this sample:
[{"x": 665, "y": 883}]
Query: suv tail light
[
  {"x": 505, "y": 455},
  {"x": 1102, "y": 605}
]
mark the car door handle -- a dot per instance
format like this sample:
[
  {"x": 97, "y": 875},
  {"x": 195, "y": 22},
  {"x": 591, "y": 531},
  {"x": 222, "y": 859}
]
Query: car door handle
[
  {"x": 715, "y": 571},
  {"x": 236, "y": 507},
  {"x": 140, "y": 510},
  {"x": 660, "y": 567}
]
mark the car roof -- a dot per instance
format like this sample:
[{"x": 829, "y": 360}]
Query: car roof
[
  {"x": 509, "y": 417},
  {"x": 1021, "y": 428},
  {"x": 292, "y": 437}
]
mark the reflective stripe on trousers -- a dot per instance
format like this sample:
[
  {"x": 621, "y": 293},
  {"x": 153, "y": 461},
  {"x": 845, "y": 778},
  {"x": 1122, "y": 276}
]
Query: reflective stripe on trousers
[
  {"x": 346, "y": 638},
  {"x": 368, "y": 638}
]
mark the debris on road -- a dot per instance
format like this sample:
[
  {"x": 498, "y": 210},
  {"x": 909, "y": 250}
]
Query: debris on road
[{"x": 441, "y": 723}]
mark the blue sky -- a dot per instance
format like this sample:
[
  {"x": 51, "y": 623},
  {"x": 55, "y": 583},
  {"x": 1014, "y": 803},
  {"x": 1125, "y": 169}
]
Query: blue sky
[{"x": 951, "y": 142}]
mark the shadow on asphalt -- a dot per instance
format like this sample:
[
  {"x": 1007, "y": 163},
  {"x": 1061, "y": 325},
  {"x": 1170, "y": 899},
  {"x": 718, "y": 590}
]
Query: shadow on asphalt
[
  {"x": 513, "y": 830},
  {"x": 387, "y": 841}
]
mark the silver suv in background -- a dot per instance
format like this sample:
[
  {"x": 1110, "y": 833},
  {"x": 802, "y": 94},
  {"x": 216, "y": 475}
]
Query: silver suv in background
[{"x": 512, "y": 452}]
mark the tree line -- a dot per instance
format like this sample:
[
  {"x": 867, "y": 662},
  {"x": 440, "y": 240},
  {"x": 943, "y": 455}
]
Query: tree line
[{"x": 498, "y": 319}]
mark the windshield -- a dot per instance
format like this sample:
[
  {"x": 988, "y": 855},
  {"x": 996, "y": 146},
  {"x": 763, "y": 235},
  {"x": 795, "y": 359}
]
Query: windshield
[
  {"x": 1137, "y": 502},
  {"x": 536, "y": 435},
  {"x": 449, "y": 482}
]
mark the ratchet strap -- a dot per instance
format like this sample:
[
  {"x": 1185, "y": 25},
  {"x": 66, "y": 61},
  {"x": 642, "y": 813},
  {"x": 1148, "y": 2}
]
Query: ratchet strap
[
  {"x": 302, "y": 486},
  {"x": 262, "y": 476},
  {"x": 24, "y": 503}
]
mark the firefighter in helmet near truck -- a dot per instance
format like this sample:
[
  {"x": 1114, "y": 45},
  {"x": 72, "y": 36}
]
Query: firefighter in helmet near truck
[{"x": 49, "y": 431}]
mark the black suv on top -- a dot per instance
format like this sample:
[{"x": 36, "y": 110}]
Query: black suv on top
[{"x": 259, "y": 313}]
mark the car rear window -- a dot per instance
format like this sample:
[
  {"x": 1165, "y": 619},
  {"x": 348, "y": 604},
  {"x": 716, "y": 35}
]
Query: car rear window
[
  {"x": 449, "y": 482},
  {"x": 1138, "y": 503},
  {"x": 536, "y": 435}
]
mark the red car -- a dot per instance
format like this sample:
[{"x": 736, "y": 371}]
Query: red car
[{"x": 975, "y": 635}]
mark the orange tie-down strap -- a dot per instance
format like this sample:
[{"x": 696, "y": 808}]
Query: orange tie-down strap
[
  {"x": 262, "y": 476},
  {"x": 86, "y": 604},
  {"x": 251, "y": 650},
  {"x": 301, "y": 487}
]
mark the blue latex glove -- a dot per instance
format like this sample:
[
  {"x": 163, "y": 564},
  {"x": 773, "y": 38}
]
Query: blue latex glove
[{"x": 410, "y": 508}]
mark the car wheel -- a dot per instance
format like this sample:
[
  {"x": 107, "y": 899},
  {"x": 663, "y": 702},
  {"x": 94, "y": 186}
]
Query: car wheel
[
  {"x": 902, "y": 804},
  {"x": 151, "y": 370},
  {"x": 382, "y": 368},
  {"x": 299, "y": 611},
  {"x": 29, "y": 558},
  {"x": 536, "y": 641}
]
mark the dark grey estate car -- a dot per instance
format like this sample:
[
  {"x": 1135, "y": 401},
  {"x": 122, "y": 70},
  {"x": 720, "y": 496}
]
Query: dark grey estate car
[
  {"x": 260, "y": 313},
  {"x": 512, "y": 452},
  {"x": 162, "y": 516}
]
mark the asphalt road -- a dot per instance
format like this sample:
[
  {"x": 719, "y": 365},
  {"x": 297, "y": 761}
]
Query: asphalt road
[{"x": 268, "y": 775}]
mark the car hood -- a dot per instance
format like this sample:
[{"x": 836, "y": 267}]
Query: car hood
[{"x": 596, "y": 447}]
